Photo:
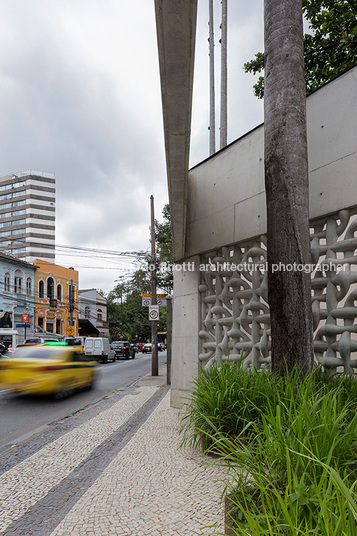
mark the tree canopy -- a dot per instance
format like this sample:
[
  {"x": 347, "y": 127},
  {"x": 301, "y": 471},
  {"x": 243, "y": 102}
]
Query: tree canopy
[
  {"x": 330, "y": 46},
  {"x": 164, "y": 254}
]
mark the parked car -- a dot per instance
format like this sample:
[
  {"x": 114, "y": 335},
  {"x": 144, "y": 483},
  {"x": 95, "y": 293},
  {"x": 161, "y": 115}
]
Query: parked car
[
  {"x": 123, "y": 349},
  {"x": 147, "y": 349},
  {"x": 47, "y": 370},
  {"x": 99, "y": 348}
]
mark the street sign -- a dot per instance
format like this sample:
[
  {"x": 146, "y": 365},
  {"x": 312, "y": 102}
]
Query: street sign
[
  {"x": 25, "y": 318},
  {"x": 153, "y": 312},
  {"x": 161, "y": 302},
  {"x": 22, "y": 325},
  {"x": 70, "y": 331},
  {"x": 148, "y": 295}
]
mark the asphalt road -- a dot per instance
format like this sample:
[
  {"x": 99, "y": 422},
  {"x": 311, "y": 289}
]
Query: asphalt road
[{"x": 22, "y": 415}]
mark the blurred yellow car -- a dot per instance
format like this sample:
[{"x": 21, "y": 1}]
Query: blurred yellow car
[{"x": 47, "y": 370}]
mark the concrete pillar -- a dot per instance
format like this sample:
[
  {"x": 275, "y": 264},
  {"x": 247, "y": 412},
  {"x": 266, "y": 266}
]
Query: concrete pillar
[{"x": 185, "y": 340}]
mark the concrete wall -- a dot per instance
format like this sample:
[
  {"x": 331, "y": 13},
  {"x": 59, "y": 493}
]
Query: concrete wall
[
  {"x": 226, "y": 193},
  {"x": 226, "y": 204}
]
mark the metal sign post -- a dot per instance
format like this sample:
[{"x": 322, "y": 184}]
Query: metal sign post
[{"x": 25, "y": 319}]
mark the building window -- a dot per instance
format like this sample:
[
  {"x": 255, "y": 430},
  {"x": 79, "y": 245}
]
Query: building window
[
  {"x": 28, "y": 286},
  {"x": 5, "y": 233},
  {"x": 16, "y": 203},
  {"x": 18, "y": 282},
  {"x": 19, "y": 212},
  {"x": 5, "y": 187},
  {"x": 50, "y": 285},
  {"x": 41, "y": 289},
  {"x": 99, "y": 315},
  {"x": 87, "y": 312},
  {"x": 19, "y": 184},
  {"x": 58, "y": 326},
  {"x": 59, "y": 292},
  {"x": 5, "y": 224},
  {"x": 18, "y": 231},
  {"x": 49, "y": 326},
  {"x": 40, "y": 322},
  {"x": 7, "y": 282}
]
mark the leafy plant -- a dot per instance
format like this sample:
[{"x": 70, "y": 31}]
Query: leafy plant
[
  {"x": 290, "y": 447},
  {"x": 330, "y": 46},
  {"x": 227, "y": 399}
]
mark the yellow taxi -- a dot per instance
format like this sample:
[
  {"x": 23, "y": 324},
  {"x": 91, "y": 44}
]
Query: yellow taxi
[{"x": 49, "y": 369}]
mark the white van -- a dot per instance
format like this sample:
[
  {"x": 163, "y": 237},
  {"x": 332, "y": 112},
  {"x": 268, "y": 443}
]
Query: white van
[
  {"x": 9, "y": 337},
  {"x": 99, "y": 348}
]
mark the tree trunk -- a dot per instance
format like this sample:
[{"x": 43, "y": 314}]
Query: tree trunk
[{"x": 286, "y": 182}]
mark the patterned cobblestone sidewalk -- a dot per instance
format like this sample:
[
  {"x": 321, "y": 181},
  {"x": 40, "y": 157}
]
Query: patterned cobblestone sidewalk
[{"x": 120, "y": 473}]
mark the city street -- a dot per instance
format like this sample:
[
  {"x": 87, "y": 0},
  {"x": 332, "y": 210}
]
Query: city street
[
  {"x": 22, "y": 416},
  {"x": 113, "y": 468}
]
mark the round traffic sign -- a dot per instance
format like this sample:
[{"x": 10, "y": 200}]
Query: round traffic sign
[{"x": 153, "y": 314}]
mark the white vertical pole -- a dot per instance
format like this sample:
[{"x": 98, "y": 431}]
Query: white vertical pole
[
  {"x": 212, "y": 120},
  {"x": 223, "y": 127}
]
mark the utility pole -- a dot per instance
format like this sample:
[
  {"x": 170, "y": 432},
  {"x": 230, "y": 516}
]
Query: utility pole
[
  {"x": 154, "y": 356},
  {"x": 212, "y": 113},
  {"x": 121, "y": 314},
  {"x": 71, "y": 304},
  {"x": 223, "y": 127}
]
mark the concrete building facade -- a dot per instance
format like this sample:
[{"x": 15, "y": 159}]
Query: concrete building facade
[
  {"x": 27, "y": 215},
  {"x": 221, "y": 309},
  {"x": 218, "y": 209}
]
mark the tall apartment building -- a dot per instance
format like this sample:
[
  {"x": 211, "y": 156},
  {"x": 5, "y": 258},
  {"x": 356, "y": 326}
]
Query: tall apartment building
[{"x": 27, "y": 215}]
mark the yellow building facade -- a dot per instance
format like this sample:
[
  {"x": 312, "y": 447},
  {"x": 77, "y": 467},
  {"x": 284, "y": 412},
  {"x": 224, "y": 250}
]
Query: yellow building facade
[{"x": 56, "y": 298}]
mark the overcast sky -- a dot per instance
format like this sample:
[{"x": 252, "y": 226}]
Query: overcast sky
[{"x": 80, "y": 98}]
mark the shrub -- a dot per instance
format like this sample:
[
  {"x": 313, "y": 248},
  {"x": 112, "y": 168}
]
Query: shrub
[{"x": 290, "y": 445}]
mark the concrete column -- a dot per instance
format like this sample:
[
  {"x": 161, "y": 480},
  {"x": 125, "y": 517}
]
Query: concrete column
[{"x": 185, "y": 341}]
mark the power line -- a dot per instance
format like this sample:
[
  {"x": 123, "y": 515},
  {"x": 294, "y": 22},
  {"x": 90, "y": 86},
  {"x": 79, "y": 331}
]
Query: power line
[{"x": 106, "y": 251}]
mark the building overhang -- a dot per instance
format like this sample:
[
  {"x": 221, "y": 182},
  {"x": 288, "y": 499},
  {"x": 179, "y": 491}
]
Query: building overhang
[
  {"x": 176, "y": 35},
  {"x": 86, "y": 328}
]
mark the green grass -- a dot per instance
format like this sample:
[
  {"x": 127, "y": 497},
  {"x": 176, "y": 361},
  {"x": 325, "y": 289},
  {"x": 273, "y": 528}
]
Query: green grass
[{"x": 290, "y": 445}]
